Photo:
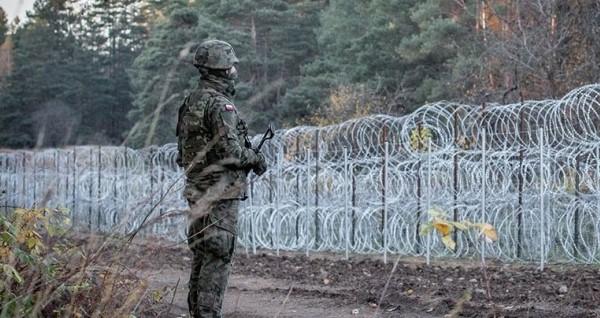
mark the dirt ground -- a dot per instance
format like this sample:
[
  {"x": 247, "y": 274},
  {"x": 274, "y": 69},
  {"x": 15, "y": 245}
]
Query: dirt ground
[{"x": 325, "y": 285}]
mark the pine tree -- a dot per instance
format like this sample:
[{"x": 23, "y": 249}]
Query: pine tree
[
  {"x": 43, "y": 50},
  {"x": 51, "y": 97},
  {"x": 6, "y": 48},
  {"x": 3, "y": 26},
  {"x": 162, "y": 74},
  {"x": 358, "y": 42},
  {"x": 273, "y": 40},
  {"x": 444, "y": 50},
  {"x": 115, "y": 31},
  {"x": 279, "y": 39}
]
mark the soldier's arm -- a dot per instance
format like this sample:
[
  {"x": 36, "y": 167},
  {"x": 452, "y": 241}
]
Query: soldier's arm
[{"x": 224, "y": 125}]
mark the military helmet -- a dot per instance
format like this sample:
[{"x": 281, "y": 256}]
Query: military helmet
[{"x": 215, "y": 54}]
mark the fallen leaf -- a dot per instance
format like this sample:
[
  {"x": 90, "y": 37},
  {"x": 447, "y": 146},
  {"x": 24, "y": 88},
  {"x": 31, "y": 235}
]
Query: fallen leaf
[
  {"x": 425, "y": 229},
  {"x": 463, "y": 226},
  {"x": 449, "y": 242},
  {"x": 488, "y": 231},
  {"x": 442, "y": 226}
]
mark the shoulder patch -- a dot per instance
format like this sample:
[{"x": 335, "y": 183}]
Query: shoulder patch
[{"x": 229, "y": 107}]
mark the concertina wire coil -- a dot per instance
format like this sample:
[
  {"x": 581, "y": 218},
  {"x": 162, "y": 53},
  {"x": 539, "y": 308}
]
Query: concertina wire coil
[{"x": 364, "y": 185}]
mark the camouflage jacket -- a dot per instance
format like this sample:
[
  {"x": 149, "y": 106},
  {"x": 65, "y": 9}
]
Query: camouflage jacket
[{"x": 212, "y": 140}]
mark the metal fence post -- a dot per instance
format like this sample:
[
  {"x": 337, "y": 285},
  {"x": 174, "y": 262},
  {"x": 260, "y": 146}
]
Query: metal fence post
[
  {"x": 33, "y": 166},
  {"x": 577, "y": 212},
  {"x": 4, "y": 182},
  {"x": 271, "y": 205},
  {"x": 418, "y": 243},
  {"x": 385, "y": 201},
  {"x": 308, "y": 200},
  {"x": 126, "y": 182},
  {"x": 74, "y": 188},
  {"x": 346, "y": 210},
  {"x": 23, "y": 180},
  {"x": 483, "y": 188},
  {"x": 252, "y": 221},
  {"x": 428, "y": 247},
  {"x": 115, "y": 187},
  {"x": 57, "y": 175},
  {"x": 455, "y": 174},
  {"x": 99, "y": 192},
  {"x": 317, "y": 158},
  {"x": 542, "y": 194},
  {"x": 278, "y": 184}
]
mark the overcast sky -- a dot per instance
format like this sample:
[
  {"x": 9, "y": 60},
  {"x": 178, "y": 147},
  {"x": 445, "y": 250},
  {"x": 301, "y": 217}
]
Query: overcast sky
[{"x": 15, "y": 8}]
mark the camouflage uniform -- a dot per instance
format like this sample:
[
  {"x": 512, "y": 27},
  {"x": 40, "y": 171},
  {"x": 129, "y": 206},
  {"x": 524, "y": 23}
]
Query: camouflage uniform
[{"x": 213, "y": 147}]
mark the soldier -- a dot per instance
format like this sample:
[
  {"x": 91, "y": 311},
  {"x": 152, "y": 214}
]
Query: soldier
[{"x": 214, "y": 149}]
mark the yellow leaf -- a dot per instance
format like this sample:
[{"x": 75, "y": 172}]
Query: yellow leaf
[
  {"x": 419, "y": 138},
  {"x": 449, "y": 242},
  {"x": 442, "y": 226},
  {"x": 425, "y": 229},
  {"x": 488, "y": 231},
  {"x": 462, "y": 226}
]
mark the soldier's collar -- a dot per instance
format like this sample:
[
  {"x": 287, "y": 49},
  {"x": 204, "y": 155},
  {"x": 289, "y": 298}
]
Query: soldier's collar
[{"x": 220, "y": 85}]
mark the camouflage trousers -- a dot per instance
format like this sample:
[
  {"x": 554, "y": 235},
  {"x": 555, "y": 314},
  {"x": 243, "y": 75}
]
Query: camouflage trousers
[{"x": 212, "y": 246}]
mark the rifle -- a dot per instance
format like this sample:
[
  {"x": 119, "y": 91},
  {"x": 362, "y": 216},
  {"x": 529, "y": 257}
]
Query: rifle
[{"x": 269, "y": 134}]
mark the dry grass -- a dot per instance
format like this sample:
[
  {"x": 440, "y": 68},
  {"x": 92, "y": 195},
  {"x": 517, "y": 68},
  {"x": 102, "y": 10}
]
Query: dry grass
[{"x": 48, "y": 272}]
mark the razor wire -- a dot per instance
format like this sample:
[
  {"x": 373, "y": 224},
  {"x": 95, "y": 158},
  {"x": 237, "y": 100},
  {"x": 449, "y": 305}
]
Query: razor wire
[{"x": 363, "y": 186}]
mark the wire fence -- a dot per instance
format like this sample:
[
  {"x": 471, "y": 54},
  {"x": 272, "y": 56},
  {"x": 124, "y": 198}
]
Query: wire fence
[{"x": 531, "y": 169}]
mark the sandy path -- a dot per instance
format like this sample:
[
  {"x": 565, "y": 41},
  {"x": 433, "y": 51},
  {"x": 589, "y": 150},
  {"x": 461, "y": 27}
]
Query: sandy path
[
  {"x": 253, "y": 297},
  {"x": 326, "y": 286}
]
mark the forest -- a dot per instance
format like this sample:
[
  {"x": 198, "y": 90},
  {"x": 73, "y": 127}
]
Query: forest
[
  {"x": 431, "y": 158},
  {"x": 111, "y": 72}
]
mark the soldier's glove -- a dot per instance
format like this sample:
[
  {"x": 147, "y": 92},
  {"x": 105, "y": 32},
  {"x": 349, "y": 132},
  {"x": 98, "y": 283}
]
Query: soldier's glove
[{"x": 261, "y": 165}]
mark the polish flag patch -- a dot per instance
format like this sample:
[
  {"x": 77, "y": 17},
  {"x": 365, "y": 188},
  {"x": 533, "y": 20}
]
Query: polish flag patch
[{"x": 229, "y": 108}]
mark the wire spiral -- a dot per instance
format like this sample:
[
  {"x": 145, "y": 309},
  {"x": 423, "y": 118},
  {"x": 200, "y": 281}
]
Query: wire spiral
[{"x": 531, "y": 169}]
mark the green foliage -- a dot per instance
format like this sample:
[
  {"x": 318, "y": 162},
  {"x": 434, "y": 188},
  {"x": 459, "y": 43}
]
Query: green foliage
[
  {"x": 408, "y": 52},
  {"x": 420, "y": 138},
  {"x": 45, "y": 56},
  {"x": 162, "y": 73},
  {"x": 105, "y": 71},
  {"x": 442, "y": 47},
  {"x": 3, "y": 25},
  {"x": 272, "y": 39},
  {"x": 358, "y": 42},
  {"x": 23, "y": 257},
  {"x": 46, "y": 273},
  {"x": 115, "y": 31},
  {"x": 69, "y": 83}
]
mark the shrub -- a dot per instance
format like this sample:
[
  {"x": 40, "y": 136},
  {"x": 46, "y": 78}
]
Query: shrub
[{"x": 45, "y": 272}]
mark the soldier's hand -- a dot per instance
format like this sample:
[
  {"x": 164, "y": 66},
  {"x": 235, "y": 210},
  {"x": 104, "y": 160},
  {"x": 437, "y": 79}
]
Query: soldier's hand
[{"x": 261, "y": 166}]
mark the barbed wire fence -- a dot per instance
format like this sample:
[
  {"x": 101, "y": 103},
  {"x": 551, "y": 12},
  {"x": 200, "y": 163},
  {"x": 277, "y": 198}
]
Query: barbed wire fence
[{"x": 532, "y": 169}]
